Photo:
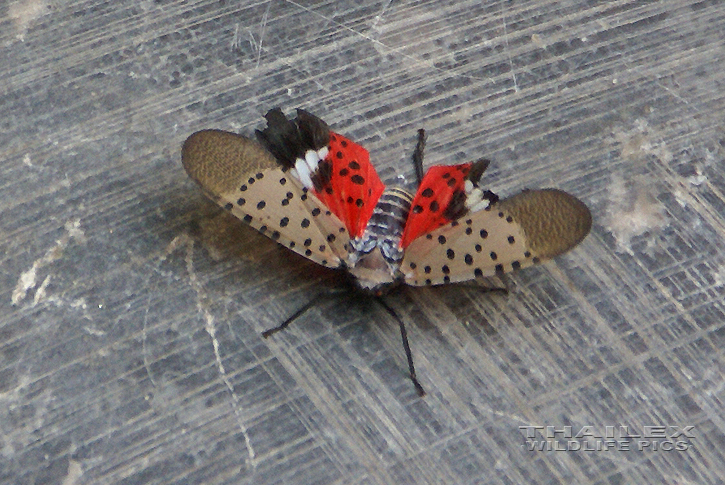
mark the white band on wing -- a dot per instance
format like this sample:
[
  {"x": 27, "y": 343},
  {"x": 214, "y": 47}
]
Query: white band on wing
[
  {"x": 474, "y": 197},
  {"x": 306, "y": 167}
]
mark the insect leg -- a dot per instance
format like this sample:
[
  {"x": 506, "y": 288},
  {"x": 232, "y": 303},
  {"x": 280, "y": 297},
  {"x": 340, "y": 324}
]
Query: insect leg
[
  {"x": 317, "y": 298},
  {"x": 418, "y": 156},
  {"x": 483, "y": 289},
  {"x": 406, "y": 345}
]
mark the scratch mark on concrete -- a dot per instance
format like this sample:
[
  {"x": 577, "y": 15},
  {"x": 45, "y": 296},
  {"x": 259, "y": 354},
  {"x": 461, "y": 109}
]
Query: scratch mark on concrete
[
  {"x": 74, "y": 473},
  {"x": 379, "y": 17},
  {"x": 24, "y": 13},
  {"x": 144, "y": 334},
  {"x": 40, "y": 292},
  {"x": 202, "y": 304},
  {"x": 236, "y": 39},
  {"x": 28, "y": 278},
  {"x": 263, "y": 29},
  {"x": 508, "y": 50},
  {"x": 397, "y": 50}
]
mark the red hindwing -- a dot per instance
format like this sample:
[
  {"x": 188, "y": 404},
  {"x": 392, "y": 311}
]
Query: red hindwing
[
  {"x": 353, "y": 187},
  {"x": 441, "y": 192}
]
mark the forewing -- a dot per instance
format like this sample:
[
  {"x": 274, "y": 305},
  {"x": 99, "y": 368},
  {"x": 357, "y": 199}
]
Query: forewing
[
  {"x": 244, "y": 178},
  {"x": 530, "y": 227}
]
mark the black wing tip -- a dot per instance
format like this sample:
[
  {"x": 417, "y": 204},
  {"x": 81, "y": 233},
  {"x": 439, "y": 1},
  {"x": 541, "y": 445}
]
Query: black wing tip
[
  {"x": 288, "y": 139},
  {"x": 314, "y": 131},
  {"x": 477, "y": 169}
]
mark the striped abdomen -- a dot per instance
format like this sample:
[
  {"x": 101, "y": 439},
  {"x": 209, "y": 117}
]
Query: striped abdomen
[{"x": 376, "y": 256}]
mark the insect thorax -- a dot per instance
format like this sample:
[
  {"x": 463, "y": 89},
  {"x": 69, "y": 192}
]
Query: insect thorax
[{"x": 375, "y": 257}]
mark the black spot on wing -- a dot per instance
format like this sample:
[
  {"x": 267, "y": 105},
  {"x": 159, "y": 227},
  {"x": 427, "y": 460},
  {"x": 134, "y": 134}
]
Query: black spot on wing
[{"x": 477, "y": 169}]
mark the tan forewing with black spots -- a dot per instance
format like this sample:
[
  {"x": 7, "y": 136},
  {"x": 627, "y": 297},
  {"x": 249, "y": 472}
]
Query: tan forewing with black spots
[
  {"x": 528, "y": 228},
  {"x": 244, "y": 178}
]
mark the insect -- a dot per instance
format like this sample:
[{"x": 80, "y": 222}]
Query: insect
[{"x": 316, "y": 192}]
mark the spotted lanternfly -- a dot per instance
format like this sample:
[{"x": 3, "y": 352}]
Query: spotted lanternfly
[{"x": 316, "y": 192}]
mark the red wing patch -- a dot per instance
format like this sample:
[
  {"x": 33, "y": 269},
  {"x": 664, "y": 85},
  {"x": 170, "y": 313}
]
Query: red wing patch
[
  {"x": 348, "y": 184},
  {"x": 441, "y": 198}
]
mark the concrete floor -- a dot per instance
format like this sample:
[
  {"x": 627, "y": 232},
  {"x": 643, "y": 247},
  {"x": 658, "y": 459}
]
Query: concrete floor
[{"x": 131, "y": 307}]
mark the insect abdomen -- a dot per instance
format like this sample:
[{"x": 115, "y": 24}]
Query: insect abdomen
[{"x": 387, "y": 223}]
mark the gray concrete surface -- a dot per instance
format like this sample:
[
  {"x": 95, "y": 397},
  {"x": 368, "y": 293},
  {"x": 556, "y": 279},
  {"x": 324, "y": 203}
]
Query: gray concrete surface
[{"x": 131, "y": 307}]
